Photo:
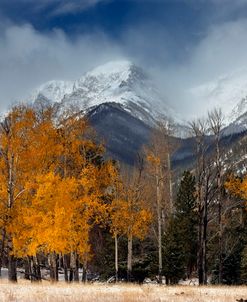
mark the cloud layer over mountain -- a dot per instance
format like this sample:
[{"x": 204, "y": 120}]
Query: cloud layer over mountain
[{"x": 29, "y": 57}]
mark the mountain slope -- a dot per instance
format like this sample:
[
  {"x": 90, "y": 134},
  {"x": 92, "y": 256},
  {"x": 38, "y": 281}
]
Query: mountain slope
[
  {"x": 228, "y": 92},
  {"x": 123, "y": 134}
]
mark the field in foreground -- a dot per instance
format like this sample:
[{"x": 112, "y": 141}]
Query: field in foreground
[{"x": 24, "y": 292}]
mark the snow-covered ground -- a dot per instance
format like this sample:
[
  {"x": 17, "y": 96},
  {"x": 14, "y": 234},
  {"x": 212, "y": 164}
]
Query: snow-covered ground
[{"x": 45, "y": 274}]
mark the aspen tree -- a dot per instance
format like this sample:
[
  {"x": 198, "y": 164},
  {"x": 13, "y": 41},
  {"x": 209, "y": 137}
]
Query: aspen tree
[
  {"x": 130, "y": 215},
  {"x": 136, "y": 214},
  {"x": 215, "y": 120},
  {"x": 207, "y": 184},
  {"x": 116, "y": 227},
  {"x": 39, "y": 151},
  {"x": 199, "y": 130},
  {"x": 159, "y": 170},
  {"x": 15, "y": 133}
]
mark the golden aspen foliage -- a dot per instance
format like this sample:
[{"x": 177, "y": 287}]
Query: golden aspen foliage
[
  {"x": 26, "y": 149},
  {"x": 130, "y": 215},
  {"x": 63, "y": 191},
  {"x": 55, "y": 186},
  {"x": 237, "y": 187}
]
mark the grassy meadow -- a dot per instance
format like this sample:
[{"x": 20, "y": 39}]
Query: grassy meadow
[{"x": 61, "y": 292}]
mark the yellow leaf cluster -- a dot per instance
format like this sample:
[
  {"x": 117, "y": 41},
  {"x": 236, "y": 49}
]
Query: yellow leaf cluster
[
  {"x": 129, "y": 214},
  {"x": 53, "y": 185},
  {"x": 237, "y": 187}
]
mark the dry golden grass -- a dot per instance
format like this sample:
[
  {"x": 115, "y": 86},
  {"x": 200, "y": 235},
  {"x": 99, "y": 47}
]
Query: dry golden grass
[{"x": 61, "y": 292}]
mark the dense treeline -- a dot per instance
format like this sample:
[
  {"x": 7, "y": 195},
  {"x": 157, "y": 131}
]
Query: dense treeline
[{"x": 66, "y": 209}]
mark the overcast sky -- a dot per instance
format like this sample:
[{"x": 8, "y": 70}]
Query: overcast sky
[{"x": 182, "y": 43}]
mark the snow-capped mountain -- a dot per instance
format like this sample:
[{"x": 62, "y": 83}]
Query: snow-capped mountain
[
  {"x": 229, "y": 92},
  {"x": 118, "y": 81},
  {"x": 122, "y": 103},
  {"x": 53, "y": 91}
]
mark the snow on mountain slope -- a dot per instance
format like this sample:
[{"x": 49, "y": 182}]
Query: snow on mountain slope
[
  {"x": 229, "y": 92},
  {"x": 53, "y": 91},
  {"x": 237, "y": 126},
  {"x": 126, "y": 84},
  {"x": 117, "y": 81}
]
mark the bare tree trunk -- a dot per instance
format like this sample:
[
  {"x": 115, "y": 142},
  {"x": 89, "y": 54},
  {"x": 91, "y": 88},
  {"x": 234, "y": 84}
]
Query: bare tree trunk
[
  {"x": 158, "y": 193},
  {"x": 74, "y": 273},
  {"x": 71, "y": 270},
  {"x": 199, "y": 128},
  {"x": 158, "y": 157},
  {"x": 220, "y": 243},
  {"x": 26, "y": 269},
  {"x": 31, "y": 269},
  {"x": 77, "y": 269},
  {"x": 129, "y": 260},
  {"x": 170, "y": 183},
  {"x": 12, "y": 274},
  {"x": 84, "y": 272},
  {"x": 60, "y": 261},
  {"x": 216, "y": 119},
  {"x": 219, "y": 197},
  {"x": 53, "y": 267},
  {"x": 65, "y": 267},
  {"x": 2, "y": 249},
  {"x": 36, "y": 269},
  {"x": 200, "y": 250},
  {"x": 116, "y": 257},
  {"x": 205, "y": 223}
]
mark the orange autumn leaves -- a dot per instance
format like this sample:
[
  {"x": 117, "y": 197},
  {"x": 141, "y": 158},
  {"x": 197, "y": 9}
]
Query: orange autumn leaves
[
  {"x": 49, "y": 222},
  {"x": 237, "y": 187},
  {"x": 47, "y": 210},
  {"x": 54, "y": 185},
  {"x": 130, "y": 215}
]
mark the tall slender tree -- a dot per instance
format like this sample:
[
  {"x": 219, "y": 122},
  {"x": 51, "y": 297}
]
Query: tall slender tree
[
  {"x": 130, "y": 213},
  {"x": 199, "y": 130},
  {"x": 215, "y": 119},
  {"x": 158, "y": 168}
]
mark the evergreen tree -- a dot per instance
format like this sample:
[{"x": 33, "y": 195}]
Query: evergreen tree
[
  {"x": 186, "y": 217},
  {"x": 244, "y": 266},
  {"x": 180, "y": 242},
  {"x": 173, "y": 254}
]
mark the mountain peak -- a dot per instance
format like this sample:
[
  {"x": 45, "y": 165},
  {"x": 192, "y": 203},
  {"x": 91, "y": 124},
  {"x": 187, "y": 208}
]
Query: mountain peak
[
  {"x": 112, "y": 67},
  {"x": 120, "y": 82}
]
